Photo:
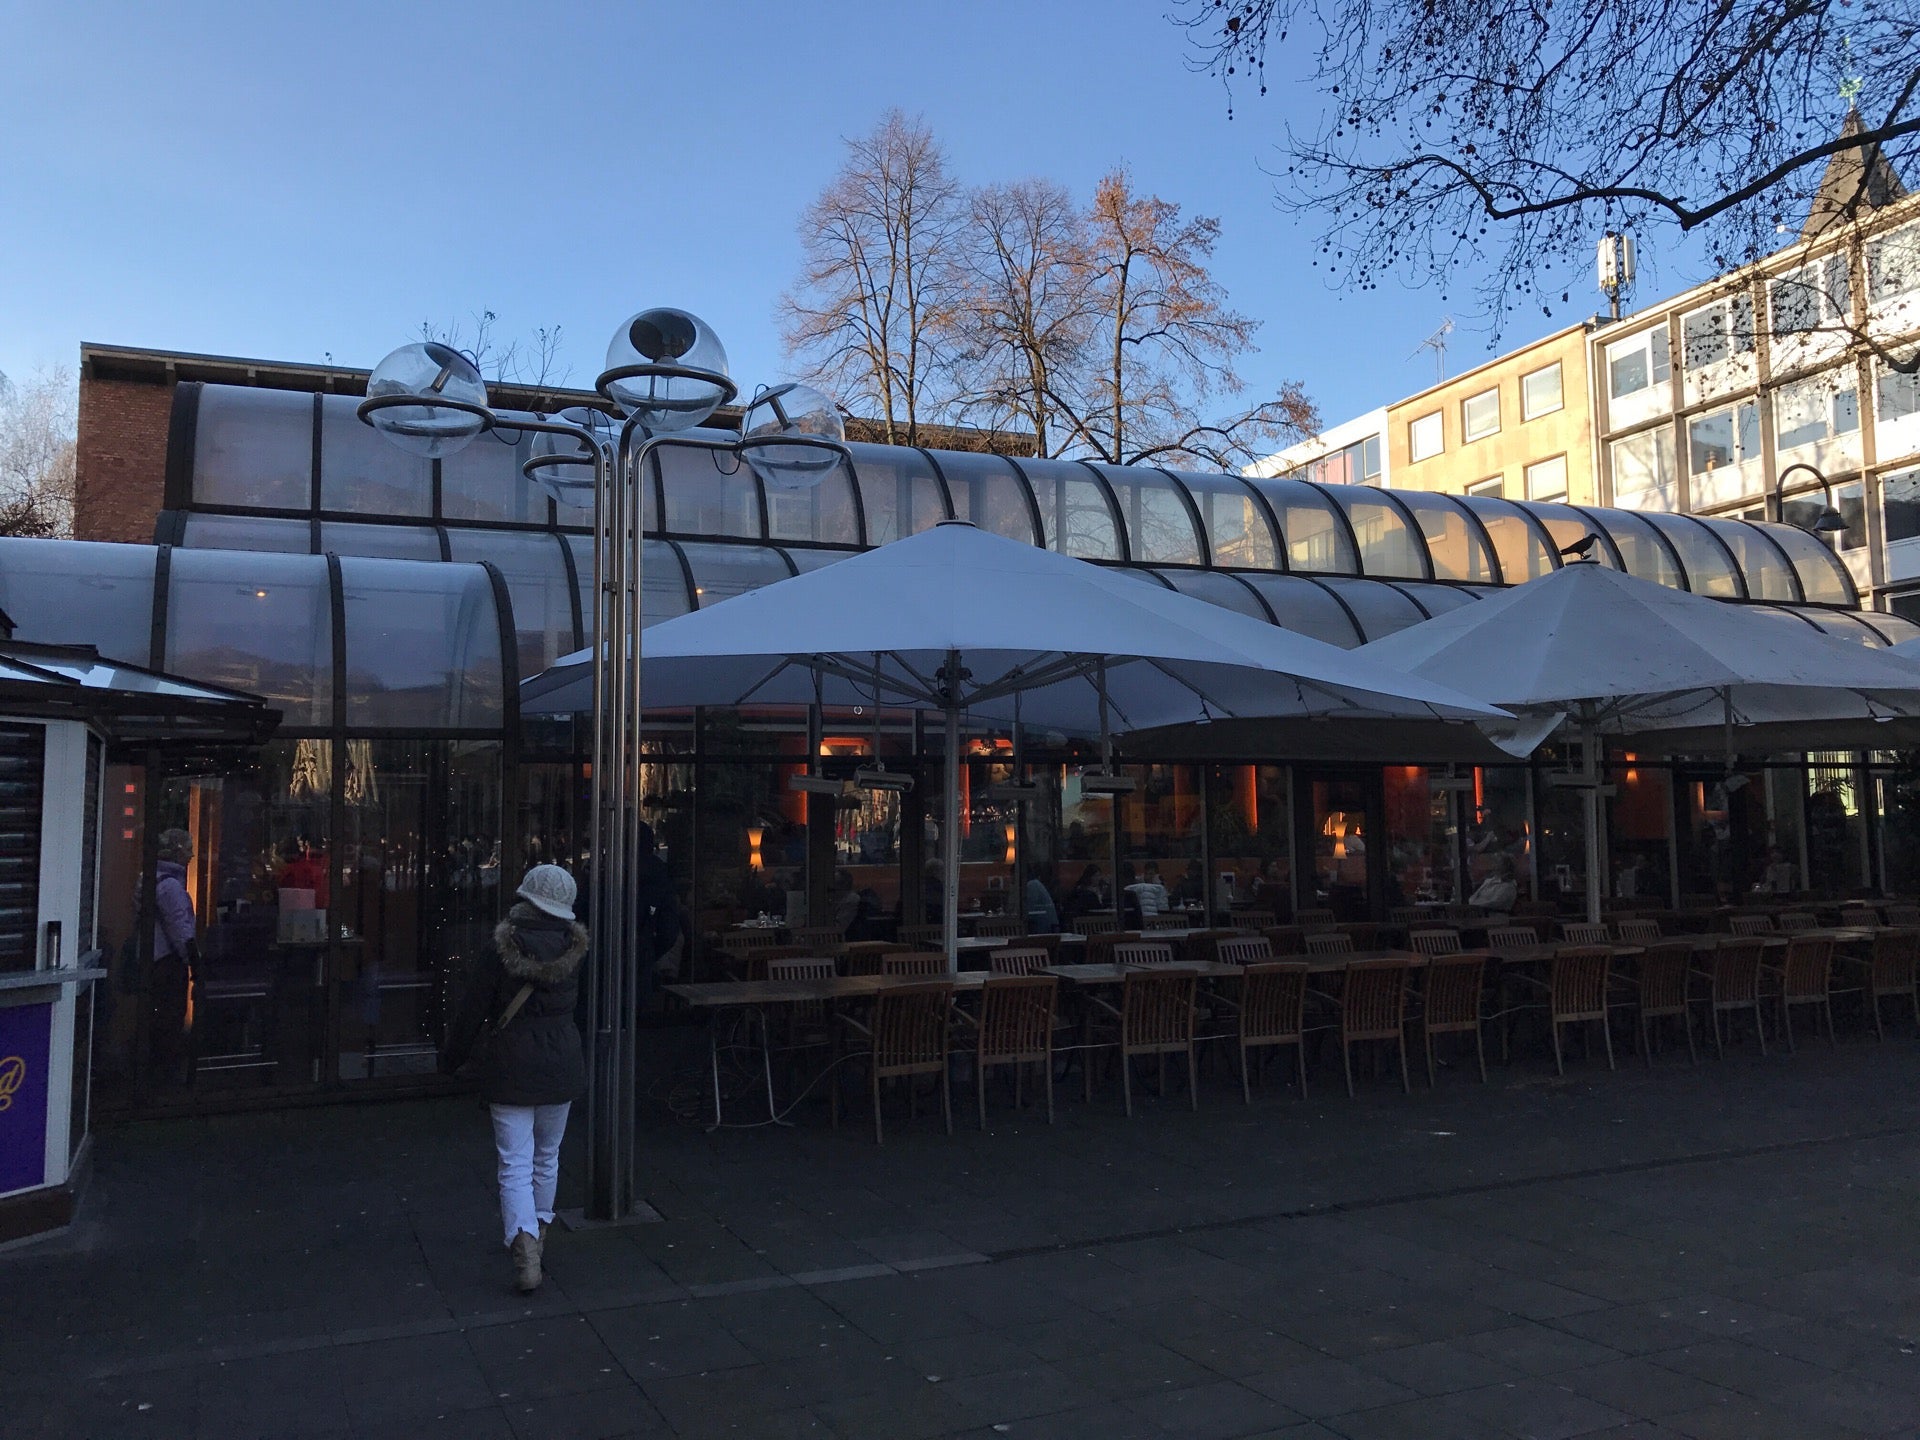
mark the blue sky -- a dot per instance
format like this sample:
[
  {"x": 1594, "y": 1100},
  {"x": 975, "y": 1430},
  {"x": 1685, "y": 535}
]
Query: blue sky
[{"x": 287, "y": 181}]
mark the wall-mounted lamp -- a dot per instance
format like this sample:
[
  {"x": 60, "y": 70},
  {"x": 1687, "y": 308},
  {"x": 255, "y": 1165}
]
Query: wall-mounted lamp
[{"x": 755, "y": 834}]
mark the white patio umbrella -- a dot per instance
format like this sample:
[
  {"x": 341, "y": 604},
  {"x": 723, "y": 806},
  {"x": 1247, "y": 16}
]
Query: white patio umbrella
[
  {"x": 1616, "y": 655},
  {"x": 960, "y": 621}
]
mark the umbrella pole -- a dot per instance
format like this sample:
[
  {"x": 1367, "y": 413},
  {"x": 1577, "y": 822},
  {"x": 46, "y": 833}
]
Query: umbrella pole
[
  {"x": 950, "y": 849},
  {"x": 1590, "y": 798}
]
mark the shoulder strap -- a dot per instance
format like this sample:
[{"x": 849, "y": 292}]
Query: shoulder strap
[{"x": 513, "y": 1006}]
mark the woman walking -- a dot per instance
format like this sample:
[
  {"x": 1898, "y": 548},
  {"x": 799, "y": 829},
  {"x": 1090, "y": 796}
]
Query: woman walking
[{"x": 525, "y": 986}]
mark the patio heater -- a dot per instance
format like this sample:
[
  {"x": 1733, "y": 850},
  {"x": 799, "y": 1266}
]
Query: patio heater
[{"x": 666, "y": 372}]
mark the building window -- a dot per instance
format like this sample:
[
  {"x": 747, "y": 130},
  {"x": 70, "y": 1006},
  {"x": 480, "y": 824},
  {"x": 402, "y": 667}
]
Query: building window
[
  {"x": 1805, "y": 299},
  {"x": 1637, "y": 364},
  {"x": 1906, "y": 606},
  {"x": 1896, "y": 394},
  {"x": 1893, "y": 264},
  {"x": 1547, "y": 479},
  {"x": 1540, "y": 392},
  {"x": 1850, "y": 500},
  {"x": 1494, "y": 486},
  {"x": 1355, "y": 464},
  {"x": 1723, "y": 437},
  {"x": 1423, "y": 437},
  {"x": 1900, "y": 506},
  {"x": 1714, "y": 332},
  {"x": 1480, "y": 415},
  {"x": 1643, "y": 476},
  {"x": 1817, "y": 409}
]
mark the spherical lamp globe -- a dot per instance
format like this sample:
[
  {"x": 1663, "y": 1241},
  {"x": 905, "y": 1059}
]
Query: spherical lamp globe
[
  {"x": 667, "y": 370},
  {"x": 427, "y": 398},
  {"x": 791, "y": 436},
  {"x": 561, "y": 465}
]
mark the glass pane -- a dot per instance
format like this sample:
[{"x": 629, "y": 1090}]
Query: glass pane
[
  {"x": 720, "y": 571},
  {"x": 1639, "y": 822},
  {"x": 1315, "y": 538},
  {"x": 1566, "y": 526},
  {"x": 1480, "y": 414},
  {"x": 1767, "y": 574},
  {"x": 1454, "y": 543},
  {"x": 362, "y": 471},
  {"x": 1380, "y": 609},
  {"x": 258, "y": 623},
  {"x": 386, "y": 542},
  {"x": 1217, "y": 589},
  {"x": 1841, "y": 625},
  {"x": 247, "y": 532},
  {"x": 1423, "y": 437},
  {"x": 535, "y": 573},
  {"x": 1249, "y": 839},
  {"x": 1437, "y": 599},
  {"x": 1237, "y": 529},
  {"x": 1643, "y": 472},
  {"x": 423, "y": 646},
  {"x": 1158, "y": 522},
  {"x": 709, "y": 492},
  {"x": 1546, "y": 479},
  {"x": 1709, "y": 568},
  {"x": 1074, "y": 512},
  {"x": 254, "y": 448},
  {"x": 1421, "y": 863},
  {"x": 807, "y": 559},
  {"x": 1540, "y": 391},
  {"x": 986, "y": 491},
  {"x": 898, "y": 491},
  {"x": 1897, "y": 629},
  {"x": 1641, "y": 552},
  {"x": 484, "y": 482},
  {"x": 1159, "y": 838},
  {"x": 80, "y": 592},
  {"x": 1522, "y": 553},
  {"x": 663, "y": 584},
  {"x": 1301, "y": 606},
  {"x": 1823, "y": 575},
  {"x": 824, "y": 514},
  {"x": 1388, "y": 545}
]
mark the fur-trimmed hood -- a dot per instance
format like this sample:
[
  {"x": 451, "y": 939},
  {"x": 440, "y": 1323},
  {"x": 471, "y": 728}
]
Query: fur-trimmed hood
[{"x": 536, "y": 947}]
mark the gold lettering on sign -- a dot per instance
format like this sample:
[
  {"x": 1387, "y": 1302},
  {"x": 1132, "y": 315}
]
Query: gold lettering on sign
[{"x": 13, "y": 1073}]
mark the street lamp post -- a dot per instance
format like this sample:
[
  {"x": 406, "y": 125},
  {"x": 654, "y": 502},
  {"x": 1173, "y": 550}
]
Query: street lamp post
[
  {"x": 666, "y": 372},
  {"x": 1828, "y": 522}
]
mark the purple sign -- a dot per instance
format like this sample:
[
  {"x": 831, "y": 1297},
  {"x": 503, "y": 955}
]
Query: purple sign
[{"x": 26, "y": 1043}]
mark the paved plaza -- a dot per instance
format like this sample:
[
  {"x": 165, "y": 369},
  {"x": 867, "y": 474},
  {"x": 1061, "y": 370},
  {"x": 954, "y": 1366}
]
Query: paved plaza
[{"x": 1728, "y": 1251}]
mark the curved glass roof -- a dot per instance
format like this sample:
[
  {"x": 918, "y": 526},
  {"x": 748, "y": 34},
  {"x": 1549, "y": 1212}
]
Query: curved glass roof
[{"x": 264, "y": 451}]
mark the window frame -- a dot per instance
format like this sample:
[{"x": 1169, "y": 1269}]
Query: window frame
[
  {"x": 1414, "y": 454},
  {"x": 1468, "y": 435},
  {"x": 1822, "y": 290},
  {"x": 1526, "y": 478},
  {"x": 1498, "y": 484},
  {"x": 1528, "y": 411},
  {"x": 1736, "y": 345},
  {"x": 1643, "y": 340}
]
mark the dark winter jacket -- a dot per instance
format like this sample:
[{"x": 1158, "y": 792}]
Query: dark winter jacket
[{"x": 536, "y": 1059}]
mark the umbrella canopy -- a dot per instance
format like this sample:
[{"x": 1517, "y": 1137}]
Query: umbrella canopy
[
  {"x": 958, "y": 620},
  {"x": 1618, "y": 655}
]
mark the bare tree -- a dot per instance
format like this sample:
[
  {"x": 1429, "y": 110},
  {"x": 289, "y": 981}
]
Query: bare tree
[
  {"x": 532, "y": 360},
  {"x": 873, "y": 313},
  {"x": 1027, "y": 319},
  {"x": 1164, "y": 343},
  {"x": 1501, "y": 138},
  {"x": 38, "y": 422}
]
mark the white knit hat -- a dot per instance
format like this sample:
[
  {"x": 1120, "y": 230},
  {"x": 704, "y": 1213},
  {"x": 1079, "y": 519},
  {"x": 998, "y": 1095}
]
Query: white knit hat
[{"x": 549, "y": 888}]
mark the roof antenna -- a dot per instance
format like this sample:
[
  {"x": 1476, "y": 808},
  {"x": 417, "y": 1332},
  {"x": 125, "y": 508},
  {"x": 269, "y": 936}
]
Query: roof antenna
[{"x": 1437, "y": 342}]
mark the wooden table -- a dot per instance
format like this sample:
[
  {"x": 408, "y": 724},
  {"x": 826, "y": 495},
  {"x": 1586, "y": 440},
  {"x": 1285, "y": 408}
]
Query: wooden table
[
  {"x": 713, "y": 996},
  {"x": 1115, "y": 974}
]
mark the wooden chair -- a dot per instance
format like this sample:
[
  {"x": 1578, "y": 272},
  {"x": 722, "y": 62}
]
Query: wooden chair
[
  {"x": 1904, "y": 915},
  {"x": 1287, "y": 939},
  {"x": 1637, "y": 930},
  {"x": 1373, "y": 1006},
  {"x": 1512, "y": 937},
  {"x": 1861, "y": 914},
  {"x": 1577, "y": 988},
  {"x": 1200, "y": 946},
  {"x": 1804, "y": 976},
  {"x": 1364, "y": 934},
  {"x": 1659, "y": 989},
  {"x": 1329, "y": 942},
  {"x": 1015, "y": 1028},
  {"x": 1096, "y": 924},
  {"x": 1450, "y": 1004},
  {"x": 914, "y": 962},
  {"x": 1169, "y": 920},
  {"x": 905, "y": 1037},
  {"x": 758, "y": 960},
  {"x": 863, "y": 957},
  {"x": 1242, "y": 950},
  {"x": 1155, "y": 1018},
  {"x": 1312, "y": 920},
  {"x": 819, "y": 939},
  {"x": 1733, "y": 984},
  {"x": 740, "y": 946},
  {"x": 1434, "y": 942},
  {"x": 1890, "y": 973},
  {"x": 1407, "y": 916},
  {"x": 1584, "y": 932},
  {"x": 924, "y": 937},
  {"x": 997, "y": 927},
  {"x": 809, "y": 1023},
  {"x": 1272, "y": 1008},
  {"x": 1264, "y": 919},
  {"x": 1750, "y": 924},
  {"x": 1791, "y": 922},
  {"x": 1143, "y": 952},
  {"x": 801, "y": 967},
  {"x": 1019, "y": 960},
  {"x": 1099, "y": 948}
]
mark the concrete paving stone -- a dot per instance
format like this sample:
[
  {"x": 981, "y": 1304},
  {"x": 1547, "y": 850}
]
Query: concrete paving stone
[
  {"x": 1633, "y": 1329},
  {"x": 919, "y": 1414},
  {"x": 1020, "y": 1394},
  {"x": 1440, "y": 1418},
  {"x": 1218, "y": 1410},
  {"x": 1535, "y": 1349},
  {"x": 1131, "y": 1367},
  {"x": 1751, "y": 1420},
  {"x": 1321, "y": 1388},
  {"x": 1645, "y": 1386},
  {"x": 1853, "y": 1402},
  {"x": 535, "y": 1359},
  {"x": 276, "y": 1395},
  {"x": 896, "y": 1309},
  {"x": 779, "y": 1324},
  {"x": 660, "y": 1341},
  {"x": 1541, "y": 1409},
  {"x": 598, "y": 1414},
  {"x": 1439, "y": 1367},
  {"x": 739, "y": 1396},
  {"x": 393, "y": 1380},
  {"x": 447, "y": 1425},
  {"x": 1745, "y": 1366}
]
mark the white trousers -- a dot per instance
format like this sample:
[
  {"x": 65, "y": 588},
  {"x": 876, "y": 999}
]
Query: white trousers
[{"x": 527, "y": 1138}]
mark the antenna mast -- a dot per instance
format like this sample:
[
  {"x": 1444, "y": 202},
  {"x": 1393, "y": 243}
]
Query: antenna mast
[{"x": 1437, "y": 342}]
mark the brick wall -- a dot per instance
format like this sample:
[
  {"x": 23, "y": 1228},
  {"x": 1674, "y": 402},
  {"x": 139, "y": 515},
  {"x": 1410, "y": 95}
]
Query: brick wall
[{"x": 121, "y": 463}]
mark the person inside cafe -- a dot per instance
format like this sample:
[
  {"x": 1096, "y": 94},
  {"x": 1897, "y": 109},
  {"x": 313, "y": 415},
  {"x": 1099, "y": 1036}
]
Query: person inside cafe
[
  {"x": 306, "y": 869},
  {"x": 175, "y": 957},
  {"x": 1780, "y": 876},
  {"x": 1150, "y": 893},
  {"x": 1499, "y": 891},
  {"x": 1084, "y": 898},
  {"x": 1191, "y": 892},
  {"x": 1043, "y": 916}
]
